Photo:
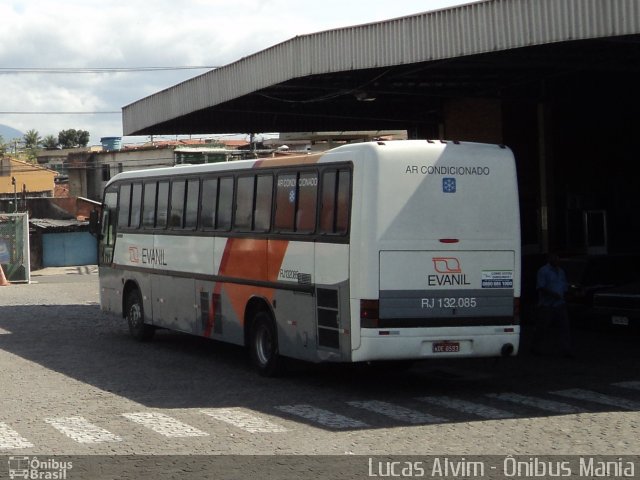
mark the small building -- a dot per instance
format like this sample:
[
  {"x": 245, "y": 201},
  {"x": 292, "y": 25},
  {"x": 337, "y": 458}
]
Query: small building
[
  {"x": 89, "y": 172},
  {"x": 56, "y": 159},
  {"x": 61, "y": 243},
  {"x": 20, "y": 179},
  {"x": 199, "y": 155}
]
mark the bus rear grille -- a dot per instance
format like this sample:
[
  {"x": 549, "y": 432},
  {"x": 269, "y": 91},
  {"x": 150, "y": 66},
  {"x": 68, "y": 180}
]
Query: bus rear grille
[{"x": 328, "y": 320}]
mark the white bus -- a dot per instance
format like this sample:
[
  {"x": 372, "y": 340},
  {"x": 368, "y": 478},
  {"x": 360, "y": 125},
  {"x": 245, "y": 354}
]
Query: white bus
[{"x": 375, "y": 251}]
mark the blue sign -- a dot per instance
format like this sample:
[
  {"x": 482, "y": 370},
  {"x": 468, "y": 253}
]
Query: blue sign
[
  {"x": 5, "y": 257},
  {"x": 449, "y": 185}
]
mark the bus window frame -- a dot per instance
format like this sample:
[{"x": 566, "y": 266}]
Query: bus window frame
[
  {"x": 233, "y": 176},
  {"x": 296, "y": 173},
  {"x": 337, "y": 169},
  {"x": 143, "y": 225},
  {"x": 189, "y": 181}
]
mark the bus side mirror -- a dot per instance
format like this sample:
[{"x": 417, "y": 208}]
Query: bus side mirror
[{"x": 94, "y": 223}]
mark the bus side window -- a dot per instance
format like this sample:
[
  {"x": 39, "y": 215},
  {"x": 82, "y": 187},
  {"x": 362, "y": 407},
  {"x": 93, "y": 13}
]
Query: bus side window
[
  {"x": 343, "y": 202},
  {"x": 209, "y": 203},
  {"x": 191, "y": 207},
  {"x": 253, "y": 203},
  {"x": 328, "y": 202},
  {"x": 124, "y": 205},
  {"x": 307, "y": 202},
  {"x": 177, "y": 204},
  {"x": 334, "y": 209},
  {"x": 244, "y": 203},
  {"x": 136, "y": 205},
  {"x": 162, "y": 205},
  {"x": 264, "y": 194},
  {"x": 149, "y": 205},
  {"x": 225, "y": 204},
  {"x": 285, "y": 202}
]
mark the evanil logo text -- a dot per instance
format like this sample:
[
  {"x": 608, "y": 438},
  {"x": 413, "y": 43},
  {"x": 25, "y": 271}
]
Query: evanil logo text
[{"x": 448, "y": 273}]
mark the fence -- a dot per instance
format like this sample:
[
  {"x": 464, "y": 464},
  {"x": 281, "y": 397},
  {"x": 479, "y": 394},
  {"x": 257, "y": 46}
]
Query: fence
[{"x": 14, "y": 246}]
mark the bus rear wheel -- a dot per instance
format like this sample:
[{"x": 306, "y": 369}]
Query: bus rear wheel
[
  {"x": 134, "y": 312},
  {"x": 263, "y": 346}
]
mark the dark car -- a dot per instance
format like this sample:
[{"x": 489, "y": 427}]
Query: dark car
[
  {"x": 619, "y": 307},
  {"x": 588, "y": 275}
]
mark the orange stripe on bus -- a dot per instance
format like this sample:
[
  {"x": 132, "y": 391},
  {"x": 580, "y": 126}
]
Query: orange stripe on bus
[{"x": 249, "y": 259}]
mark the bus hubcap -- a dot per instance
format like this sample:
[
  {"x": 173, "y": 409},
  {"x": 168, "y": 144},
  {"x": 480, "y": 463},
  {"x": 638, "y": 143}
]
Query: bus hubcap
[
  {"x": 134, "y": 314},
  {"x": 263, "y": 345}
]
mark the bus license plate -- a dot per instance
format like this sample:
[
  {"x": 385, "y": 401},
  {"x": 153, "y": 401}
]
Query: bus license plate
[
  {"x": 446, "y": 347},
  {"x": 615, "y": 320}
]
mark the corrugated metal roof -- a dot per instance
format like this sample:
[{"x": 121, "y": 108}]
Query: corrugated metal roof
[
  {"x": 475, "y": 28},
  {"x": 52, "y": 225}
]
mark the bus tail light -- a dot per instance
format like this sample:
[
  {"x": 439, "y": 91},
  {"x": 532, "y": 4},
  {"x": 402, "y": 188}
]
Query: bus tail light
[
  {"x": 516, "y": 311},
  {"x": 369, "y": 313}
]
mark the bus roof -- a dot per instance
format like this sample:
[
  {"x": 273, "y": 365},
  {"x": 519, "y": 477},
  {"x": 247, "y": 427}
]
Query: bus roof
[
  {"x": 287, "y": 160},
  {"x": 218, "y": 166}
]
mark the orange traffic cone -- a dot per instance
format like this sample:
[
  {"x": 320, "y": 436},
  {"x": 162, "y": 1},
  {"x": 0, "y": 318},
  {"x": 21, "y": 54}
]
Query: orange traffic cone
[{"x": 3, "y": 279}]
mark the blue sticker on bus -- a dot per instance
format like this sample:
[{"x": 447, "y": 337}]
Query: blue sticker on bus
[
  {"x": 497, "y": 283},
  {"x": 449, "y": 185},
  {"x": 497, "y": 279}
]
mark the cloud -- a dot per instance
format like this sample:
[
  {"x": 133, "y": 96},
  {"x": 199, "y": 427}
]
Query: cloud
[{"x": 139, "y": 33}]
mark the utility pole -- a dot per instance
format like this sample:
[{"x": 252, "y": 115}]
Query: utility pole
[{"x": 15, "y": 195}]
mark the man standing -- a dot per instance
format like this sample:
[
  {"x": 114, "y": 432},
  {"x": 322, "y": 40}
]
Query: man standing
[{"x": 551, "y": 284}]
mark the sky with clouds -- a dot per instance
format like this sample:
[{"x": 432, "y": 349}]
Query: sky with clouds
[{"x": 69, "y": 38}]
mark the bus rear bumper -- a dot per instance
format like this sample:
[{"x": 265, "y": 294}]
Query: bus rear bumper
[{"x": 404, "y": 344}]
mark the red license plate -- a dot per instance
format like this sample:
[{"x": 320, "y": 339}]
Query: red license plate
[{"x": 446, "y": 347}]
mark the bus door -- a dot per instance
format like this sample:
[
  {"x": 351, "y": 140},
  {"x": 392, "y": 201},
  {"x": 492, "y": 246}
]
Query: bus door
[{"x": 106, "y": 246}]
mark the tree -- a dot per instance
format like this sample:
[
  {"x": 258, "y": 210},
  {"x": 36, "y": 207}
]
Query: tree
[
  {"x": 50, "y": 142},
  {"x": 73, "y": 138},
  {"x": 32, "y": 139}
]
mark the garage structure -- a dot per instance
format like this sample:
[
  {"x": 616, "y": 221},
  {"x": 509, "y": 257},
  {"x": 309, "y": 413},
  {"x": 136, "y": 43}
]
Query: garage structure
[{"x": 555, "y": 80}]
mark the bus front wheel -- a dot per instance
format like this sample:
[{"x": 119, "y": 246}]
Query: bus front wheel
[
  {"x": 135, "y": 317},
  {"x": 263, "y": 346}
]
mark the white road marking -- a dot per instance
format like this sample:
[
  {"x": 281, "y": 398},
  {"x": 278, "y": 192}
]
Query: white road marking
[
  {"x": 164, "y": 425},
  {"x": 80, "y": 430},
  {"x": 4, "y": 332},
  {"x": 535, "y": 402},
  {"x": 634, "y": 385},
  {"x": 10, "y": 439},
  {"x": 397, "y": 412},
  {"x": 323, "y": 417},
  {"x": 464, "y": 406},
  {"x": 596, "y": 397},
  {"x": 244, "y": 420}
]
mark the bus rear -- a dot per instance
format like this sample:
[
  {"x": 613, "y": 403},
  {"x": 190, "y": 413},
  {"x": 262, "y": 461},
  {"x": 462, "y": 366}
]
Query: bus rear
[{"x": 435, "y": 251}]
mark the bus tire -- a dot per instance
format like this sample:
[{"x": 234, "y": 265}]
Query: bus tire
[
  {"x": 134, "y": 314},
  {"x": 263, "y": 345}
]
